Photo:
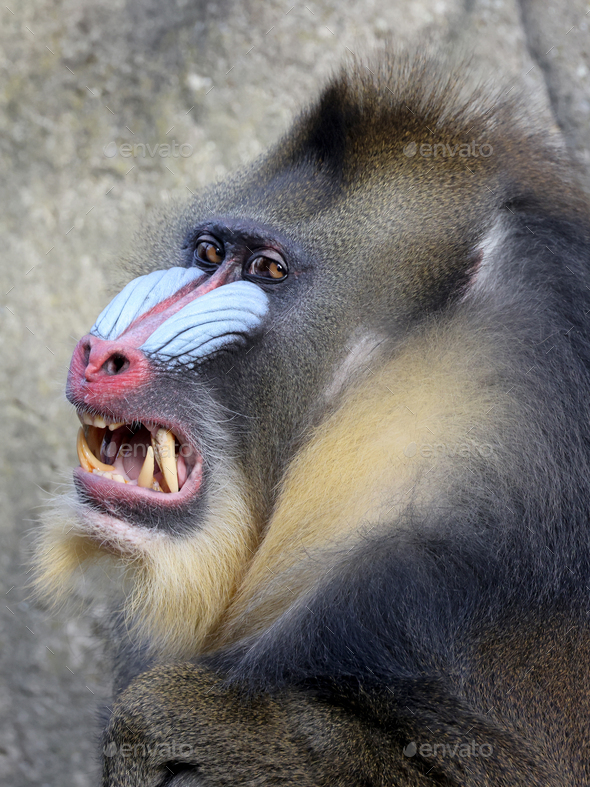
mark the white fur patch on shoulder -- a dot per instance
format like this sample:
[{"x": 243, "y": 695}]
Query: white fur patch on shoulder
[
  {"x": 487, "y": 275},
  {"x": 362, "y": 351}
]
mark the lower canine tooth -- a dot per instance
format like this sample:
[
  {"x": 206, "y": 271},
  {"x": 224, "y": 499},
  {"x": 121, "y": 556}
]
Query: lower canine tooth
[
  {"x": 146, "y": 475},
  {"x": 87, "y": 458},
  {"x": 164, "y": 450}
]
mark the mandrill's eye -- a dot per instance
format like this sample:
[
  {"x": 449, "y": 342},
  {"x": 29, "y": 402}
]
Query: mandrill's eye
[
  {"x": 269, "y": 265},
  {"x": 208, "y": 252}
]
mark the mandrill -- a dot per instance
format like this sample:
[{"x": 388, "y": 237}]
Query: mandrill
[{"x": 337, "y": 433}]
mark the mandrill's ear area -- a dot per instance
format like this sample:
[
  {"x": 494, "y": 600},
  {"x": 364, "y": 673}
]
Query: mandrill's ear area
[
  {"x": 171, "y": 728},
  {"x": 388, "y": 187}
]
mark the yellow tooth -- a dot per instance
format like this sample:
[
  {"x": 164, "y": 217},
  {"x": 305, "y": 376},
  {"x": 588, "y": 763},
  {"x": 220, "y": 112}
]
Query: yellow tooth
[
  {"x": 86, "y": 457},
  {"x": 156, "y": 450},
  {"x": 146, "y": 475},
  {"x": 119, "y": 478},
  {"x": 165, "y": 455},
  {"x": 93, "y": 420},
  {"x": 93, "y": 437},
  {"x": 112, "y": 427}
]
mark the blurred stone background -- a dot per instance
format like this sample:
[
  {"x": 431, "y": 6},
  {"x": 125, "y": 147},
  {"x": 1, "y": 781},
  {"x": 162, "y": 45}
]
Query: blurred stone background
[{"x": 80, "y": 78}]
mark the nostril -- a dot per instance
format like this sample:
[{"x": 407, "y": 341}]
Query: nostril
[{"x": 116, "y": 364}]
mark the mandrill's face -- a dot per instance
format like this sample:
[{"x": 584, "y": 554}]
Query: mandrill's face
[
  {"x": 141, "y": 455},
  {"x": 175, "y": 382}
]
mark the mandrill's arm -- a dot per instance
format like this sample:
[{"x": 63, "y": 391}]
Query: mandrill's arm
[{"x": 181, "y": 726}]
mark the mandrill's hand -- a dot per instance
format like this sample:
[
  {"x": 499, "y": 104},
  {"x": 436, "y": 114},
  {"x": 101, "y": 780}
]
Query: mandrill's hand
[{"x": 178, "y": 725}]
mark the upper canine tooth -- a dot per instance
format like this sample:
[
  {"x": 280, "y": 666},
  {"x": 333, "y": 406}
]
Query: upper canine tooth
[
  {"x": 93, "y": 437},
  {"x": 164, "y": 449},
  {"x": 87, "y": 458}
]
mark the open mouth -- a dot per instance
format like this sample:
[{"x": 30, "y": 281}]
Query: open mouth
[{"x": 147, "y": 456}]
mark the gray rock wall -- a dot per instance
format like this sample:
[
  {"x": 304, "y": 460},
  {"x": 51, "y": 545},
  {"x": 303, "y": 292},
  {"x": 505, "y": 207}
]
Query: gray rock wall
[{"x": 216, "y": 81}]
